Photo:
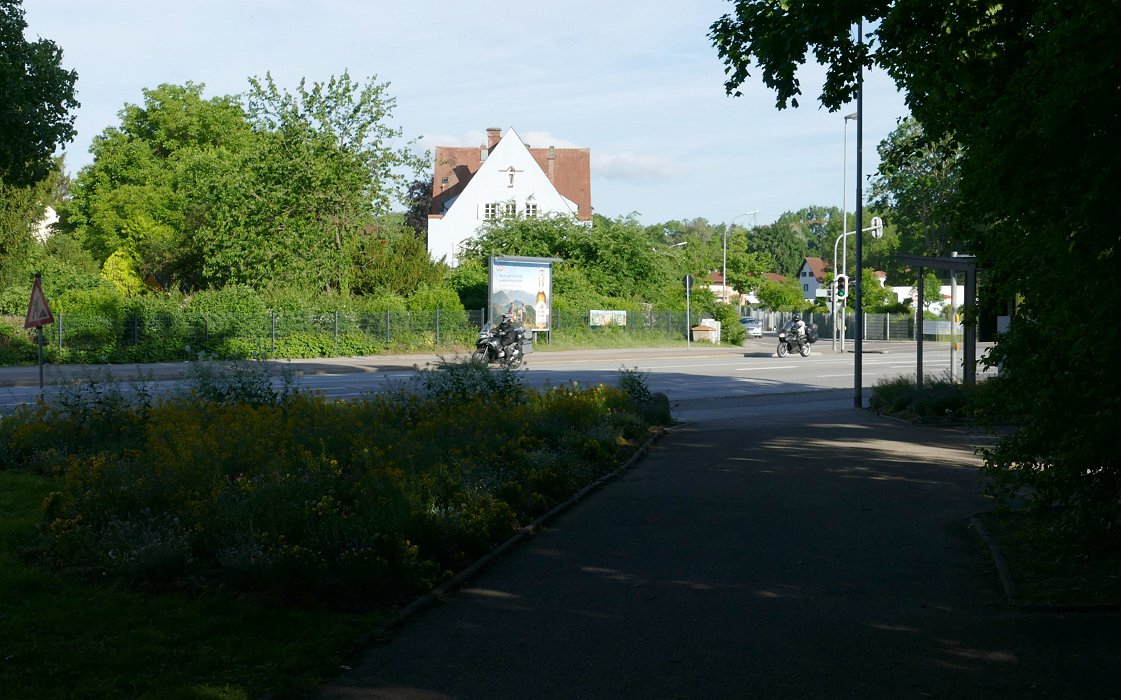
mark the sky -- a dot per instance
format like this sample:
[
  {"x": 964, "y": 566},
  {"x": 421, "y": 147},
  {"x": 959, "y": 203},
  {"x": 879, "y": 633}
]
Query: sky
[{"x": 637, "y": 83}]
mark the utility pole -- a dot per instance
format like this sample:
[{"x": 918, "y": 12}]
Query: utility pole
[{"x": 858, "y": 390}]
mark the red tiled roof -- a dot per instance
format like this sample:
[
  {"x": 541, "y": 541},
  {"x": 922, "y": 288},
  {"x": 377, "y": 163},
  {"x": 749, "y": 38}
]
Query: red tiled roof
[
  {"x": 817, "y": 267},
  {"x": 570, "y": 173}
]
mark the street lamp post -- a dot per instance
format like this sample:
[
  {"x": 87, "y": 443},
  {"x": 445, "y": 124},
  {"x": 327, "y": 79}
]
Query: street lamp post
[
  {"x": 724, "y": 270},
  {"x": 845, "y": 232}
]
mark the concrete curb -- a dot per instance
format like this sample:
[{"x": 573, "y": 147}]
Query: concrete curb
[
  {"x": 450, "y": 587},
  {"x": 1011, "y": 595}
]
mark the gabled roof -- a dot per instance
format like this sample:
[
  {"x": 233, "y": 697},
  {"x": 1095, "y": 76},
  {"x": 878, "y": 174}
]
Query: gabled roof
[
  {"x": 817, "y": 267},
  {"x": 774, "y": 277},
  {"x": 568, "y": 169}
]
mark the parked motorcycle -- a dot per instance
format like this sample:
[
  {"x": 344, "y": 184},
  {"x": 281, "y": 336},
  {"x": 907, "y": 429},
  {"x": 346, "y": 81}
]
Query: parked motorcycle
[
  {"x": 789, "y": 341},
  {"x": 490, "y": 349}
]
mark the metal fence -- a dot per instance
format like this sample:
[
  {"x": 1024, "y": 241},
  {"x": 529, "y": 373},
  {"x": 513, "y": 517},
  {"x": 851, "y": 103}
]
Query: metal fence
[
  {"x": 173, "y": 337},
  {"x": 84, "y": 337},
  {"x": 155, "y": 338},
  {"x": 889, "y": 327}
]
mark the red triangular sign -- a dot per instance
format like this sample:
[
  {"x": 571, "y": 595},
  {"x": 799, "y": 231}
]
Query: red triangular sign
[{"x": 38, "y": 312}]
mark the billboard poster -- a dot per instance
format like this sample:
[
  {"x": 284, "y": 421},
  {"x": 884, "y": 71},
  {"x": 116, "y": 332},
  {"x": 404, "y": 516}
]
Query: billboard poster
[{"x": 523, "y": 288}]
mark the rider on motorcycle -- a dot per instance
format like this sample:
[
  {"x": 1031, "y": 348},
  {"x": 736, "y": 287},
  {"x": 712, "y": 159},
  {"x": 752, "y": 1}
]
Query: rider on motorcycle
[
  {"x": 506, "y": 332},
  {"x": 798, "y": 327}
]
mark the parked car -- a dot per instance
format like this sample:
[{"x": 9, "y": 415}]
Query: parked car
[{"x": 753, "y": 326}]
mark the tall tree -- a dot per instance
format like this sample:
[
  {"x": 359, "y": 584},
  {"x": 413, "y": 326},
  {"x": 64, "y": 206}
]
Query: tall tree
[
  {"x": 38, "y": 100},
  {"x": 917, "y": 188},
  {"x": 138, "y": 198},
  {"x": 330, "y": 161},
  {"x": 1032, "y": 93}
]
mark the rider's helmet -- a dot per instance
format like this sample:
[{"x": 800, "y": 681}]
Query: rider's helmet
[{"x": 507, "y": 318}]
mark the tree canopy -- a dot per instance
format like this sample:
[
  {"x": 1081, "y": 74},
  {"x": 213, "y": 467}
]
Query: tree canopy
[
  {"x": 269, "y": 188},
  {"x": 1031, "y": 94},
  {"x": 38, "y": 99}
]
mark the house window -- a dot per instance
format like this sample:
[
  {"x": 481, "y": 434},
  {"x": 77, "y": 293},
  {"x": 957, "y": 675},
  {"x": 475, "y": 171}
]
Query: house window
[
  {"x": 511, "y": 209},
  {"x": 531, "y": 210},
  {"x": 805, "y": 287},
  {"x": 490, "y": 211}
]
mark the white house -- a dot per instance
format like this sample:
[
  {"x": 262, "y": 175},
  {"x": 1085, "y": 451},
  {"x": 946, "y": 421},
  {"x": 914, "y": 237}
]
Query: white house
[
  {"x": 908, "y": 293},
  {"x": 811, "y": 276},
  {"x": 505, "y": 177},
  {"x": 46, "y": 226}
]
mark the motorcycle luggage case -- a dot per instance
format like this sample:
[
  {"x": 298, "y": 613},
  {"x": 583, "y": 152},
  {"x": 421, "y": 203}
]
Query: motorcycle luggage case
[{"x": 527, "y": 346}]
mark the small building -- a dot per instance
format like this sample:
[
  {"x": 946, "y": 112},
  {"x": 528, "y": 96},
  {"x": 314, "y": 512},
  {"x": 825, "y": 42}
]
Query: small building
[
  {"x": 503, "y": 177},
  {"x": 811, "y": 276}
]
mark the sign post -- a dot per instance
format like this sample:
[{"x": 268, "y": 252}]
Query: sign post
[
  {"x": 38, "y": 314},
  {"x": 688, "y": 282}
]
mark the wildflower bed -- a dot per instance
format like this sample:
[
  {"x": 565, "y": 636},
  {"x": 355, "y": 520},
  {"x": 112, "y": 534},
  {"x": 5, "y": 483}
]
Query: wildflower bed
[{"x": 276, "y": 497}]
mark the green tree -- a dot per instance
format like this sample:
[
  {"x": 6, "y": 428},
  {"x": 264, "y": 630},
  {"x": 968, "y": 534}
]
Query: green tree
[
  {"x": 151, "y": 179},
  {"x": 273, "y": 189},
  {"x": 612, "y": 256},
  {"x": 21, "y": 210},
  {"x": 38, "y": 98},
  {"x": 917, "y": 188},
  {"x": 388, "y": 257},
  {"x": 1031, "y": 92},
  {"x": 327, "y": 162},
  {"x": 782, "y": 296},
  {"x": 873, "y": 297},
  {"x": 785, "y": 243}
]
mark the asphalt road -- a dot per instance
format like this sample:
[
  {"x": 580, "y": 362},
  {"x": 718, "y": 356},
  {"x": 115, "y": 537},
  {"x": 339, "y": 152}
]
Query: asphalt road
[{"x": 685, "y": 374}]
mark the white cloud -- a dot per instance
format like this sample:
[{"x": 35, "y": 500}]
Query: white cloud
[{"x": 634, "y": 167}]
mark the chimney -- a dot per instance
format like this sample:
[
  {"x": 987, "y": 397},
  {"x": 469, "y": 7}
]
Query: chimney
[
  {"x": 552, "y": 162},
  {"x": 493, "y": 136}
]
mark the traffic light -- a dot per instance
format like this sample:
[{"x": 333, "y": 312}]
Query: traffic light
[{"x": 841, "y": 287}]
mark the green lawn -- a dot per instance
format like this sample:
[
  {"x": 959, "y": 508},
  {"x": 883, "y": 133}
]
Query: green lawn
[{"x": 61, "y": 638}]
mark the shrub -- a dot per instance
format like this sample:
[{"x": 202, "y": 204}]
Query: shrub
[
  {"x": 245, "y": 487},
  {"x": 940, "y": 400},
  {"x": 731, "y": 330},
  {"x": 16, "y": 347}
]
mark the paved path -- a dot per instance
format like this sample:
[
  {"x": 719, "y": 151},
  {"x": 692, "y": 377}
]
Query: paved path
[{"x": 801, "y": 556}]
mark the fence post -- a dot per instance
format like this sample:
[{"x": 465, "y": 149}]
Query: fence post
[
  {"x": 388, "y": 339},
  {"x": 60, "y": 332},
  {"x": 437, "y": 327},
  {"x": 336, "y": 330},
  {"x": 272, "y": 315}
]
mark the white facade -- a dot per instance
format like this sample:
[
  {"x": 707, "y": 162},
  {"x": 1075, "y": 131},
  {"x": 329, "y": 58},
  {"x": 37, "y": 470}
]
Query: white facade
[
  {"x": 509, "y": 182},
  {"x": 904, "y": 294},
  {"x": 45, "y": 228},
  {"x": 807, "y": 280}
]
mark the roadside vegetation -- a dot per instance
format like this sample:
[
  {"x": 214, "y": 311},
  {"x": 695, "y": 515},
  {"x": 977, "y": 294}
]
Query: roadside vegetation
[
  {"x": 1053, "y": 560},
  {"x": 241, "y": 538}
]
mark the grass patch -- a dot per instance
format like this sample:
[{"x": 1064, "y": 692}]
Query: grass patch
[
  {"x": 1051, "y": 563},
  {"x": 62, "y": 637},
  {"x": 1050, "y": 568}
]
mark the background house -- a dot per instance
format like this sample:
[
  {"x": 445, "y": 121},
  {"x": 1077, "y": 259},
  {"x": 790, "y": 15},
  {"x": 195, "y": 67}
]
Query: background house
[
  {"x": 504, "y": 177},
  {"x": 811, "y": 275}
]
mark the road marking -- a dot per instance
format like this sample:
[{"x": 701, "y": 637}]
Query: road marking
[{"x": 754, "y": 367}]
